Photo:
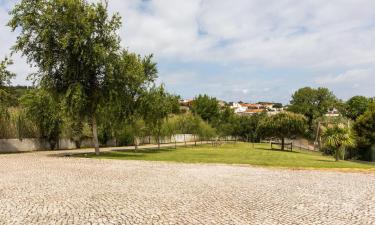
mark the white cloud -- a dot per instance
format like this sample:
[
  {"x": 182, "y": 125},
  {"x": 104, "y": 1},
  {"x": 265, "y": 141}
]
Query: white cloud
[
  {"x": 292, "y": 33},
  {"x": 351, "y": 82},
  {"x": 311, "y": 37},
  {"x": 351, "y": 76}
]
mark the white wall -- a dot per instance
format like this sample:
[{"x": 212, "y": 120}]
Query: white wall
[{"x": 33, "y": 144}]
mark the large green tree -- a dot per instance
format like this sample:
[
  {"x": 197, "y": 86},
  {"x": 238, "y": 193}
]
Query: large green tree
[
  {"x": 206, "y": 107},
  {"x": 356, "y": 106},
  {"x": 364, "y": 129},
  {"x": 283, "y": 125},
  {"x": 73, "y": 44},
  {"x": 312, "y": 103}
]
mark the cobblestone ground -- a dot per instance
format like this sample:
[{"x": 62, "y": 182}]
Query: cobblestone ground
[{"x": 39, "y": 189}]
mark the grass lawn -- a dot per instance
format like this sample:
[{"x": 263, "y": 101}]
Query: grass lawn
[{"x": 239, "y": 153}]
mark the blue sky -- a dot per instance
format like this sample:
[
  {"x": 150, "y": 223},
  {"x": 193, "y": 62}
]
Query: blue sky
[{"x": 245, "y": 49}]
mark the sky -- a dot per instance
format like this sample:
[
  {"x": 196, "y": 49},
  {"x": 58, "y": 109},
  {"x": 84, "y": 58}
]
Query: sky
[{"x": 249, "y": 50}]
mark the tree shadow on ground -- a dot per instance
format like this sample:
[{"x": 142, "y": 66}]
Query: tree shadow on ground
[
  {"x": 370, "y": 163},
  {"x": 326, "y": 160},
  {"x": 146, "y": 150}
]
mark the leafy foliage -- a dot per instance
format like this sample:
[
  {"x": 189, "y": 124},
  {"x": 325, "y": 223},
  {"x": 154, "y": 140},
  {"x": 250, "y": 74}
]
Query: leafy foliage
[
  {"x": 225, "y": 122},
  {"x": 338, "y": 138},
  {"x": 5, "y": 77},
  {"x": 283, "y": 125},
  {"x": 312, "y": 103},
  {"x": 41, "y": 108},
  {"x": 206, "y": 107},
  {"x": 364, "y": 128},
  {"x": 73, "y": 44},
  {"x": 157, "y": 104},
  {"x": 5, "y": 74},
  {"x": 247, "y": 127},
  {"x": 356, "y": 106},
  {"x": 5, "y": 97}
]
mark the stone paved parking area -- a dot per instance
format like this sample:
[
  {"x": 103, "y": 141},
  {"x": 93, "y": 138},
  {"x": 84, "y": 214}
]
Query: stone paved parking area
[{"x": 37, "y": 188}]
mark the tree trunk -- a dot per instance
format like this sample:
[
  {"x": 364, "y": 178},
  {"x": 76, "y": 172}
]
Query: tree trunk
[
  {"x": 135, "y": 144},
  {"x": 283, "y": 144},
  {"x": 195, "y": 140},
  {"x": 95, "y": 135},
  {"x": 338, "y": 152},
  {"x": 185, "y": 139},
  {"x": 175, "y": 141},
  {"x": 159, "y": 138}
]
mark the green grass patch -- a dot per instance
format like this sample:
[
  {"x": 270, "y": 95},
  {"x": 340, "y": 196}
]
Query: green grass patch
[{"x": 240, "y": 153}]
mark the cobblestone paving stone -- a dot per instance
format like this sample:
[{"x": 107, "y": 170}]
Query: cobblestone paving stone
[{"x": 36, "y": 188}]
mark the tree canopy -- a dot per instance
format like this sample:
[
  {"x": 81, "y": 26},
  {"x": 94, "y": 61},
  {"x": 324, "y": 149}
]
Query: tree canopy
[
  {"x": 157, "y": 104},
  {"x": 206, "y": 107},
  {"x": 247, "y": 126},
  {"x": 364, "y": 129},
  {"x": 356, "y": 106},
  {"x": 283, "y": 125},
  {"x": 312, "y": 103}
]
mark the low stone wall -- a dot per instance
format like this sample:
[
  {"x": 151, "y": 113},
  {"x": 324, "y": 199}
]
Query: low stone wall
[
  {"x": 16, "y": 145},
  {"x": 179, "y": 138},
  {"x": 34, "y": 144}
]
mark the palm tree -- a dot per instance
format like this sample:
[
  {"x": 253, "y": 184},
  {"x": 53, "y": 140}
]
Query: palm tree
[{"x": 339, "y": 138}]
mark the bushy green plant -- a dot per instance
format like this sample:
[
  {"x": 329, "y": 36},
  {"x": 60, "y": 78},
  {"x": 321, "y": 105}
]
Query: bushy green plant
[
  {"x": 338, "y": 138},
  {"x": 45, "y": 111},
  {"x": 364, "y": 128}
]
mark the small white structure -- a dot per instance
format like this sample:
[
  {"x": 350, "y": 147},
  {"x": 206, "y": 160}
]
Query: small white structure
[
  {"x": 238, "y": 108},
  {"x": 332, "y": 113}
]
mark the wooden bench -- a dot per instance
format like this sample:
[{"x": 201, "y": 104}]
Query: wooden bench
[{"x": 280, "y": 144}]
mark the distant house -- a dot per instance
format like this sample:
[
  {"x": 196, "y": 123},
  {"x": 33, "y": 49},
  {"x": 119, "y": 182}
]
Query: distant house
[
  {"x": 185, "y": 105},
  {"x": 238, "y": 108},
  {"x": 247, "y": 108},
  {"x": 241, "y": 108},
  {"x": 253, "y": 111},
  {"x": 186, "y": 102},
  {"x": 267, "y": 105},
  {"x": 332, "y": 113},
  {"x": 222, "y": 103}
]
